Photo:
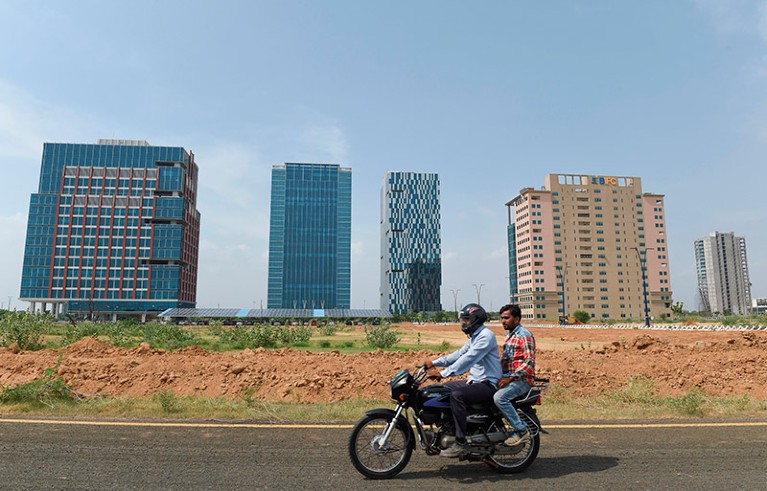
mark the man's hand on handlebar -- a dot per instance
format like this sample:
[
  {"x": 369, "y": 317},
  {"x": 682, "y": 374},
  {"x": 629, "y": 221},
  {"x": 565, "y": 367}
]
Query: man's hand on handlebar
[
  {"x": 433, "y": 374},
  {"x": 428, "y": 364}
]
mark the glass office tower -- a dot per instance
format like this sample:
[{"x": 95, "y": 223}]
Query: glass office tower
[
  {"x": 310, "y": 237},
  {"x": 411, "y": 251},
  {"x": 113, "y": 228}
]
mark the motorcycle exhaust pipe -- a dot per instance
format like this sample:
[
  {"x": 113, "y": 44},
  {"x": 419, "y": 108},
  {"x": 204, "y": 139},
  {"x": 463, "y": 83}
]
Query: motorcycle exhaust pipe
[{"x": 489, "y": 438}]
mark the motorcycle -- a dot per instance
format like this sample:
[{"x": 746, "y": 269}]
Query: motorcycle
[{"x": 383, "y": 440}]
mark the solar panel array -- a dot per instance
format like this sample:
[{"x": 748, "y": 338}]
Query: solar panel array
[{"x": 274, "y": 313}]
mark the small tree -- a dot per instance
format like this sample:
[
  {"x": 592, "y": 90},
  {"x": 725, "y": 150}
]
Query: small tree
[
  {"x": 677, "y": 309},
  {"x": 381, "y": 337},
  {"x": 582, "y": 316},
  {"x": 24, "y": 329}
]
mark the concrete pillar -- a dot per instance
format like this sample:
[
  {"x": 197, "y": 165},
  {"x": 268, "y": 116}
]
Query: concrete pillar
[
  {"x": 44, "y": 307},
  {"x": 32, "y": 307},
  {"x": 114, "y": 317},
  {"x": 143, "y": 318}
]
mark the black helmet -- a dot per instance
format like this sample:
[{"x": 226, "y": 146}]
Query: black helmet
[{"x": 475, "y": 315}]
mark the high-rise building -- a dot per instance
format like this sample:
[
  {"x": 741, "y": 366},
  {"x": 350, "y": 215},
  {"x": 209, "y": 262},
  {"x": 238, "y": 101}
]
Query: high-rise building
[
  {"x": 411, "y": 265},
  {"x": 590, "y": 243},
  {"x": 113, "y": 228},
  {"x": 722, "y": 267},
  {"x": 310, "y": 237}
]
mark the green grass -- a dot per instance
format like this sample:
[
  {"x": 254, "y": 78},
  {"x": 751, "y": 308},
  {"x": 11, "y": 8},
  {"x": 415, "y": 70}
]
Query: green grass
[
  {"x": 637, "y": 399},
  {"x": 31, "y": 332},
  {"x": 165, "y": 405}
]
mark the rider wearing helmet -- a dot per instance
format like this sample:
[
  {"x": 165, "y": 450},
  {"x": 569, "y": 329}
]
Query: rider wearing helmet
[{"x": 479, "y": 356}]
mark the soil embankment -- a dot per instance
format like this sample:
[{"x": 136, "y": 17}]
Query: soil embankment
[{"x": 587, "y": 361}]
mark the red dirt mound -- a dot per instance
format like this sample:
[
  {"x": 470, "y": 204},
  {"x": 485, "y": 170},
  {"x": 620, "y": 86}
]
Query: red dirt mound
[{"x": 587, "y": 361}]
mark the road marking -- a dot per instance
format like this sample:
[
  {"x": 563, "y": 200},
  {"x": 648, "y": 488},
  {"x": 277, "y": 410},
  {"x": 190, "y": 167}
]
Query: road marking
[
  {"x": 651, "y": 425},
  {"x": 173, "y": 424},
  {"x": 584, "y": 426}
]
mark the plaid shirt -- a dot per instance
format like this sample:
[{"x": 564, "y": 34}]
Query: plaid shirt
[{"x": 518, "y": 359}]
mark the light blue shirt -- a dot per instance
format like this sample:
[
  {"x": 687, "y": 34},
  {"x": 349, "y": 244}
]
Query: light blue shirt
[{"x": 479, "y": 356}]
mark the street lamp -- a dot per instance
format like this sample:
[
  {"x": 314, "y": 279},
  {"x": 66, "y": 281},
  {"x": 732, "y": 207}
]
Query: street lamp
[
  {"x": 512, "y": 298},
  {"x": 455, "y": 299},
  {"x": 643, "y": 265},
  {"x": 563, "y": 277},
  {"x": 479, "y": 291}
]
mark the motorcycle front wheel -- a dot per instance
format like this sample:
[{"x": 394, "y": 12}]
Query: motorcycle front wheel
[{"x": 370, "y": 457}]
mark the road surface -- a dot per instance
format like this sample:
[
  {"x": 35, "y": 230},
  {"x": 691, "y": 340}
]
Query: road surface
[{"x": 64, "y": 456}]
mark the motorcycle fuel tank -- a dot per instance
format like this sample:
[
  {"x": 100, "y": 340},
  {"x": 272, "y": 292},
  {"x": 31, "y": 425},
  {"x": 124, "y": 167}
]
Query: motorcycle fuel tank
[{"x": 434, "y": 396}]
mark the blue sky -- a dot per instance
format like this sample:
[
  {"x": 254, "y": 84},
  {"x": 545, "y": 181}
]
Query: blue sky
[{"x": 491, "y": 95}]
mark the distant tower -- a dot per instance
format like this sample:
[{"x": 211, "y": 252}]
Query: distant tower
[
  {"x": 411, "y": 266},
  {"x": 113, "y": 228},
  {"x": 310, "y": 237},
  {"x": 723, "y": 283}
]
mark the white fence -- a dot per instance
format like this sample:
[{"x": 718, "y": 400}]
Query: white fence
[{"x": 657, "y": 327}]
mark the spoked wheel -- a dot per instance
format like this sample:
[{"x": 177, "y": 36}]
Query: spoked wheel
[
  {"x": 374, "y": 459},
  {"x": 510, "y": 460},
  {"x": 517, "y": 458}
]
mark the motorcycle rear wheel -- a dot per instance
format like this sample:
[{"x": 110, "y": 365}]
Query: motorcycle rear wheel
[
  {"x": 374, "y": 460},
  {"x": 517, "y": 458},
  {"x": 511, "y": 460}
]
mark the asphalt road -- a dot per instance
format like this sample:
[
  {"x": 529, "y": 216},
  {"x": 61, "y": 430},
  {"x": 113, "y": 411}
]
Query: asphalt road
[{"x": 38, "y": 456}]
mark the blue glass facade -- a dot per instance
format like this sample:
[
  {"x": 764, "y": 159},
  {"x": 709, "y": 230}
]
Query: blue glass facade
[
  {"x": 411, "y": 250},
  {"x": 310, "y": 237},
  {"x": 113, "y": 228}
]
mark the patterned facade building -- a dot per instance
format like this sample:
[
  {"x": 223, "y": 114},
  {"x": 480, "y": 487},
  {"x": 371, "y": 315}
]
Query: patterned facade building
[
  {"x": 411, "y": 251},
  {"x": 310, "y": 237},
  {"x": 722, "y": 267},
  {"x": 590, "y": 243},
  {"x": 113, "y": 228}
]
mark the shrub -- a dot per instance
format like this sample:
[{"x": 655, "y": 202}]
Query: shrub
[
  {"x": 256, "y": 336},
  {"x": 43, "y": 390},
  {"x": 637, "y": 390},
  {"x": 167, "y": 400},
  {"x": 328, "y": 329},
  {"x": 123, "y": 333},
  {"x": 74, "y": 333},
  {"x": 24, "y": 329},
  {"x": 262, "y": 336},
  {"x": 167, "y": 336},
  {"x": 294, "y": 335},
  {"x": 689, "y": 404},
  {"x": 582, "y": 316},
  {"x": 381, "y": 337}
]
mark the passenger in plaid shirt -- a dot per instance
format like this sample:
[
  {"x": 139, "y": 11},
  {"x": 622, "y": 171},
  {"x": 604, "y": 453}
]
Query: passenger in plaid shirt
[{"x": 518, "y": 366}]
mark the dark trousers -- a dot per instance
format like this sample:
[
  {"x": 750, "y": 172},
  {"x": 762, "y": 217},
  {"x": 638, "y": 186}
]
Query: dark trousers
[{"x": 463, "y": 394}]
